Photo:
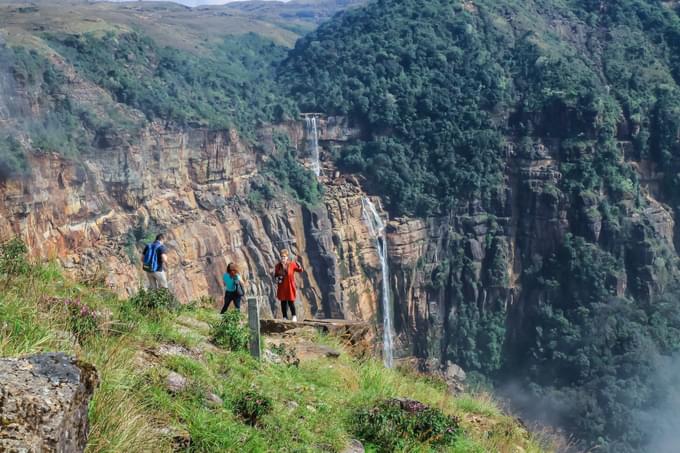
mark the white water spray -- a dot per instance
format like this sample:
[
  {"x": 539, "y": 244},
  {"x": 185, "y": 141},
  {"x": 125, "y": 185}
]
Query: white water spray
[
  {"x": 377, "y": 229},
  {"x": 313, "y": 143}
]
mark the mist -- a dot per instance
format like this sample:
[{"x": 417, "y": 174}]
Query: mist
[
  {"x": 654, "y": 424},
  {"x": 662, "y": 420}
]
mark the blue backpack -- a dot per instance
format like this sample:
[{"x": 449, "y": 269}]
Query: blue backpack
[{"x": 151, "y": 257}]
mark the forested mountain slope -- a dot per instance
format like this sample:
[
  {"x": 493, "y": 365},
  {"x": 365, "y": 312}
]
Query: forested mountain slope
[{"x": 540, "y": 139}]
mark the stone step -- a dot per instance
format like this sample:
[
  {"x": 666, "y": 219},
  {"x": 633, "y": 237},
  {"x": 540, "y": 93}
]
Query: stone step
[{"x": 354, "y": 331}]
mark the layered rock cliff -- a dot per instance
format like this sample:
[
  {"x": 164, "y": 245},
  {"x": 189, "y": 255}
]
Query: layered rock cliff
[
  {"x": 93, "y": 214},
  {"x": 477, "y": 256}
]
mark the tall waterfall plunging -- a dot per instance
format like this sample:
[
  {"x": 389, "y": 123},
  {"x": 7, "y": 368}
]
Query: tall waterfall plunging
[
  {"x": 313, "y": 143},
  {"x": 376, "y": 228}
]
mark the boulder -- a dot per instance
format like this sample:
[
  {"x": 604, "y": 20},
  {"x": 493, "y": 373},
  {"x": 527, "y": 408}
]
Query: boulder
[
  {"x": 454, "y": 372},
  {"x": 271, "y": 357},
  {"x": 175, "y": 382},
  {"x": 354, "y": 446},
  {"x": 213, "y": 400},
  {"x": 43, "y": 403}
]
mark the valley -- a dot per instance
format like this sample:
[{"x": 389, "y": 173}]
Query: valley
[{"x": 490, "y": 185}]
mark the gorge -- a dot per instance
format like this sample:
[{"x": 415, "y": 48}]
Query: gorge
[{"x": 526, "y": 155}]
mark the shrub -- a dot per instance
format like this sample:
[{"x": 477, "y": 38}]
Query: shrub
[
  {"x": 396, "y": 423},
  {"x": 13, "y": 257},
  {"x": 287, "y": 354},
  {"x": 251, "y": 406},
  {"x": 149, "y": 301},
  {"x": 229, "y": 332},
  {"x": 201, "y": 302},
  {"x": 12, "y": 158},
  {"x": 83, "y": 320}
]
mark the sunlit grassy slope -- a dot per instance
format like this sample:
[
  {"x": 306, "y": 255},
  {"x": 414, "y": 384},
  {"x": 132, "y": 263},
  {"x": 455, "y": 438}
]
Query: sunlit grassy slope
[{"x": 132, "y": 411}]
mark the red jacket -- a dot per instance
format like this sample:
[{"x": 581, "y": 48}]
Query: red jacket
[{"x": 286, "y": 289}]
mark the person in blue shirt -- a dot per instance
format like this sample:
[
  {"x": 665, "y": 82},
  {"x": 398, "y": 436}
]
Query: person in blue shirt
[
  {"x": 155, "y": 263},
  {"x": 233, "y": 287}
]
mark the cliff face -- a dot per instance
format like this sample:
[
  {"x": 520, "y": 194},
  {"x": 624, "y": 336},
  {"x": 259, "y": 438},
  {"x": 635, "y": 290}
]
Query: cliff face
[
  {"x": 94, "y": 214},
  {"x": 474, "y": 259}
]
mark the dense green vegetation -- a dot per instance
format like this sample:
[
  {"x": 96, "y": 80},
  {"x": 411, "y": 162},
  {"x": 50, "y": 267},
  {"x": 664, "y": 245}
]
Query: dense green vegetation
[
  {"x": 447, "y": 94},
  {"x": 420, "y": 80},
  {"x": 231, "y": 402},
  {"x": 596, "y": 354},
  {"x": 55, "y": 128},
  {"x": 12, "y": 158},
  {"x": 401, "y": 424},
  {"x": 233, "y": 87}
]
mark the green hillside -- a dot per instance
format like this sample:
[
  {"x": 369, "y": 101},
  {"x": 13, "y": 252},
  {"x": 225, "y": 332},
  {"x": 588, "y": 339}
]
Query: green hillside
[
  {"x": 229, "y": 401},
  {"x": 190, "y": 29},
  {"x": 425, "y": 78}
]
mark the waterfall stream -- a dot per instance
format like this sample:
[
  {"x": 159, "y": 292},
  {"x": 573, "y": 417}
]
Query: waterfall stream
[
  {"x": 376, "y": 227},
  {"x": 313, "y": 143}
]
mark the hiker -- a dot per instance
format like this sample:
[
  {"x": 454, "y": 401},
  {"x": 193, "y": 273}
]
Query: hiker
[
  {"x": 233, "y": 287},
  {"x": 155, "y": 261},
  {"x": 284, "y": 274}
]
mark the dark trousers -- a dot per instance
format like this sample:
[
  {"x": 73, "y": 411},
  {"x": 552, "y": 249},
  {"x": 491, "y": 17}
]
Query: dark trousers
[
  {"x": 229, "y": 297},
  {"x": 285, "y": 304}
]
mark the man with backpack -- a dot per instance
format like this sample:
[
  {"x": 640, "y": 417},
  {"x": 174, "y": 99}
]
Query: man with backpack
[{"x": 155, "y": 259}]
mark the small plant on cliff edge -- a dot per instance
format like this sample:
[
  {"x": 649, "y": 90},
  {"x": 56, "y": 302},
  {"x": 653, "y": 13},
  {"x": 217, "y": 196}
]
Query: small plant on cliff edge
[
  {"x": 149, "y": 301},
  {"x": 229, "y": 332},
  {"x": 83, "y": 321},
  {"x": 251, "y": 406},
  {"x": 395, "y": 424},
  {"x": 13, "y": 257}
]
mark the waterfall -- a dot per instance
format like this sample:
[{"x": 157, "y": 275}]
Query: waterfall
[
  {"x": 376, "y": 228},
  {"x": 313, "y": 143}
]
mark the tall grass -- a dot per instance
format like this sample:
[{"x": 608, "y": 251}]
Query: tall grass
[{"x": 312, "y": 404}]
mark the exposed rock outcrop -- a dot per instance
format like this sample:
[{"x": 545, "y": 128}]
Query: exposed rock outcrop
[
  {"x": 43, "y": 403},
  {"x": 354, "y": 331},
  {"x": 196, "y": 185}
]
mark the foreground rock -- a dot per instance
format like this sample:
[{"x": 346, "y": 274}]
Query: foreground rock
[
  {"x": 354, "y": 446},
  {"x": 43, "y": 403},
  {"x": 175, "y": 382}
]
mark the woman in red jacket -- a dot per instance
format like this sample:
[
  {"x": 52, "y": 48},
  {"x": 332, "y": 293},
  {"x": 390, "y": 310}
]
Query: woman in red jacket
[{"x": 284, "y": 273}]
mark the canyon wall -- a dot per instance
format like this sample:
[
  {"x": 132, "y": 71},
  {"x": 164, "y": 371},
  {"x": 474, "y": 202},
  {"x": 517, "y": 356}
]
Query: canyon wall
[
  {"x": 94, "y": 213},
  {"x": 478, "y": 260}
]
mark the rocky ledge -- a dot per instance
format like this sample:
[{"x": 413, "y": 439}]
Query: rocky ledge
[
  {"x": 353, "y": 331},
  {"x": 43, "y": 403}
]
